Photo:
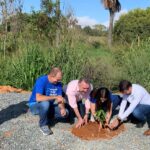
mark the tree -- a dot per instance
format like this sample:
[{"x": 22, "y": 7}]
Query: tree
[
  {"x": 53, "y": 9},
  {"x": 113, "y": 6},
  {"x": 9, "y": 9},
  {"x": 133, "y": 26}
]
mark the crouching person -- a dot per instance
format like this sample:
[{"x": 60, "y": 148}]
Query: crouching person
[
  {"x": 47, "y": 101},
  {"x": 103, "y": 99},
  {"x": 136, "y": 101},
  {"x": 76, "y": 91}
]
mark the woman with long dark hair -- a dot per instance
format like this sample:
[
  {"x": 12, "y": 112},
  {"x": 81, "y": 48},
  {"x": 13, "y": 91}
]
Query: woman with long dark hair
[{"x": 102, "y": 98}]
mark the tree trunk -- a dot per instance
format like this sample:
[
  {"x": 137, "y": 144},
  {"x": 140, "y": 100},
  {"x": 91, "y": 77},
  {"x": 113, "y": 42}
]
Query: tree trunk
[
  {"x": 5, "y": 40},
  {"x": 4, "y": 21},
  {"x": 111, "y": 21},
  {"x": 58, "y": 22}
]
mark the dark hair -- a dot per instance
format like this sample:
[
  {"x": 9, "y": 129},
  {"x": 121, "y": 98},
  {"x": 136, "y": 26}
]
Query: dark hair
[
  {"x": 102, "y": 92},
  {"x": 84, "y": 80},
  {"x": 124, "y": 85}
]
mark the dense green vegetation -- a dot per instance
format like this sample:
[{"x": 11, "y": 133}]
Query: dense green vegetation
[
  {"x": 47, "y": 38},
  {"x": 133, "y": 25}
]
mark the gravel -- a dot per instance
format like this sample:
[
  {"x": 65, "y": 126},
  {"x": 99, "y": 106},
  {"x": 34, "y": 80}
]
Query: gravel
[{"x": 19, "y": 131}]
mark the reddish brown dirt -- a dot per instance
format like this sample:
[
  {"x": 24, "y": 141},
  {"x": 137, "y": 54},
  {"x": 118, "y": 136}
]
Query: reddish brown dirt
[
  {"x": 91, "y": 132},
  {"x": 8, "y": 134},
  {"x": 147, "y": 132},
  {"x": 8, "y": 89}
]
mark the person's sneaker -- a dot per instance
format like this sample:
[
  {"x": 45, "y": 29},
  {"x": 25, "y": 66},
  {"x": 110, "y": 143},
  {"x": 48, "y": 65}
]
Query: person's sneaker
[
  {"x": 46, "y": 130},
  {"x": 140, "y": 124}
]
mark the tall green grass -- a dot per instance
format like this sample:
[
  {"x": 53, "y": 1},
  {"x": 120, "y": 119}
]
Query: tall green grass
[
  {"x": 22, "y": 69},
  {"x": 135, "y": 62},
  {"x": 103, "y": 67}
]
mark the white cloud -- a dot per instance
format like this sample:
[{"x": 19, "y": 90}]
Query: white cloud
[
  {"x": 124, "y": 11},
  {"x": 86, "y": 21},
  {"x": 117, "y": 16},
  {"x": 106, "y": 23}
]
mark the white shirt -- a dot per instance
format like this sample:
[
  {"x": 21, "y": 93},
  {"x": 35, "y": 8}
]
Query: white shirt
[{"x": 139, "y": 95}]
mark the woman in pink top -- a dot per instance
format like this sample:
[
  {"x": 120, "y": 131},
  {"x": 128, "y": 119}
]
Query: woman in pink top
[{"x": 76, "y": 91}]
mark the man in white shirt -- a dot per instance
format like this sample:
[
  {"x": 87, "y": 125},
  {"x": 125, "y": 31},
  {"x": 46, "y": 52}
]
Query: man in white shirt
[{"x": 139, "y": 103}]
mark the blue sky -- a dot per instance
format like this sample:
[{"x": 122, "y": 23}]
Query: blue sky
[{"x": 90, "y": 12}]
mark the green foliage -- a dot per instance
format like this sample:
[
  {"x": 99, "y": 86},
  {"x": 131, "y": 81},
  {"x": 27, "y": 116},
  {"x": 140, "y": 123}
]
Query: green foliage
[
  {"x": 24, "y": 68},
  {"x": 100, "y": 116},
  {"x": 104, "y": 71},
  {"x": 135, "y": 63},
  {"x": 134, "y": 24},
  {"x": 97, "y": 30}
]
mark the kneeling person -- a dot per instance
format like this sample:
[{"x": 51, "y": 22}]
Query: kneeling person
[
  {"x": 103, "y": 99},
  {"x": 139, "y": 103},
  {"x": 46, "y": 99},
  {"x": 76, "y": 91}
]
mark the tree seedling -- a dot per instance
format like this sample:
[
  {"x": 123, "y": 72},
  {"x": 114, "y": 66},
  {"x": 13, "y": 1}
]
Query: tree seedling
[{"x": 100, "y": 117}]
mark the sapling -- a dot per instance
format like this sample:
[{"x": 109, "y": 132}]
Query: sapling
[{"x": 100, "y": 117}]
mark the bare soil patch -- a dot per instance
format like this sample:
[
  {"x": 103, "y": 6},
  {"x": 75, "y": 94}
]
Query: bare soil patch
[
  {"x": 91, "y": 132},
  {"x": 9, "y": 89}
]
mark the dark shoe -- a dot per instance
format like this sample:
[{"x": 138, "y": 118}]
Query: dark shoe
[
  {"x": 140, "y": 125},
  {"x": 70, "y": 120},
  {"x": 46, "y": 130},
  {"x": 131, "y": 119}
]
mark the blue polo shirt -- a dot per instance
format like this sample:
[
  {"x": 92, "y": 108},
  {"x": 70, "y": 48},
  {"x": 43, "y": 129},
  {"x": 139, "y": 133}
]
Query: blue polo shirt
[{"x": 44, "y": 87}]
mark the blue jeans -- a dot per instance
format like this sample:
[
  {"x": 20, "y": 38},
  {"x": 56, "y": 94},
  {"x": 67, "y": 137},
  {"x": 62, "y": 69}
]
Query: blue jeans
[
  {"x": 116, "y": 102},
  {"x": 46, "y": 111},
  {"x": 81, "y": 108},
  {"x": 142, "y": 112}
]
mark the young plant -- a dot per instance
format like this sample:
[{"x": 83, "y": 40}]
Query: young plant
[{"x": 100, "y": 116}]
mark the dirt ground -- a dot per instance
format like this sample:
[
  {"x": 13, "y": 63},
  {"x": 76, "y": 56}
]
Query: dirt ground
[
  {"x": 91, "y": 132},
  {"x": 8, "y": 89}
]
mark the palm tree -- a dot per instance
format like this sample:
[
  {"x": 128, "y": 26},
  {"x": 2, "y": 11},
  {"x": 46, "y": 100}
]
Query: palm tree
[{"x": 113, "y": 6}]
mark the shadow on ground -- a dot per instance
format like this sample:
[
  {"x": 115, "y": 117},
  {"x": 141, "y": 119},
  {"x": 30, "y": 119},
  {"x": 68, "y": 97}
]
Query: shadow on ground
[{"x": 13, "y": 111}]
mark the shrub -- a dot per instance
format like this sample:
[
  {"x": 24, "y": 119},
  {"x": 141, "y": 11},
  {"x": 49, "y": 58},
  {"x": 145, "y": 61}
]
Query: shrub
[
  {"x": 132, "y": 25},
  {"x": 135, "y": 62},
  {"x": 104, "y": 71}
]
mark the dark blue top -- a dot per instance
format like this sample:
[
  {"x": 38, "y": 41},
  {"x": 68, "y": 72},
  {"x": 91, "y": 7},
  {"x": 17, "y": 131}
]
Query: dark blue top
[
  {"x": 112, "y": 98},
  {"x": 44, "y": 87}
]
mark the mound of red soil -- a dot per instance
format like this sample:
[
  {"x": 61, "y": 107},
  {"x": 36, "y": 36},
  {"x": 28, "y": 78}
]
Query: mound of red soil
[
  {"x": 8, "y": 89},
  {"x": 91, "y": 132}
]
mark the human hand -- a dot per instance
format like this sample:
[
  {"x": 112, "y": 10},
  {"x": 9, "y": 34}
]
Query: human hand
[
  {"x": 59, "y": 99},
  {"x": 114, "y": 124},
  {"x": 86, "y": 118},
  {"x": 107, "y": 119},
  {"x": 63, "y": 112},
  {"x": 80, "y": 123},
  {"x": 100, "y": 127}
]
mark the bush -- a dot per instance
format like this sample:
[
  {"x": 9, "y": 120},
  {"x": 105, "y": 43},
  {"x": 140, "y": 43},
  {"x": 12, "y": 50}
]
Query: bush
[
  {"x": 104, "y": 71},
  {"x": 134, "y": 24},
  {"x": 135, "y": 62}
]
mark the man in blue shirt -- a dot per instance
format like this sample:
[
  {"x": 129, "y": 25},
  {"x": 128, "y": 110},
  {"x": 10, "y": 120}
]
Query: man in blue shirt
[{"x": 46, "y": 99}]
